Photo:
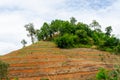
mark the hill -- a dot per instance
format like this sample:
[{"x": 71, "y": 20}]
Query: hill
[{"x": 43, "y": 60}]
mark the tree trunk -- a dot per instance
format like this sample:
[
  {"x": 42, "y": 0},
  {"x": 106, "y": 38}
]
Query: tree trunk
[{"x": 32, "y": 39}]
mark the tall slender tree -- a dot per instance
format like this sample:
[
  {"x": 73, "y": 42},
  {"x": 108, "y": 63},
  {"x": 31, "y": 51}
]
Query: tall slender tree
[
  {"x": 73, "y": 20},
  {"x": 108, "y": 30},
  {"x": 96, "y": 26},
  {"x": 30, "y": 28}
]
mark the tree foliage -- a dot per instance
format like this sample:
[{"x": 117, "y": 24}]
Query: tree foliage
[
  {"x": 67, "y": 34},
  {"x": 66, "y": 41},
  {"x": 108, "y": 30},
  {"x": 73, "y": 20},
  {"x": 23, "y": 42},
  {"x": 96, "y": 26},
  {"x": 30, "y": 28}
]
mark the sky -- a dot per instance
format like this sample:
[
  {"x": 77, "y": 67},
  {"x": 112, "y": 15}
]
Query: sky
[{"x": 14, "y": 14}]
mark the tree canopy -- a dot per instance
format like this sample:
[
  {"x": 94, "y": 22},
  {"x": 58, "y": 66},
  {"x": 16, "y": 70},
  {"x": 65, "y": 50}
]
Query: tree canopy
[{"x": 70, "y": 34}]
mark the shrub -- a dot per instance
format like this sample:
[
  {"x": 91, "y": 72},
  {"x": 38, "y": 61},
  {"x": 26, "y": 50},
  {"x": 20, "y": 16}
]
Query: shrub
[
  {"x": 3, "y": 70},
  {"x": 117, "y": 49},
  {"x": 16, "y": 78},
  {"x": 102, "y": 74},
  {"x": 81, "y": 33},
  {"x": 66, "y": 41},
  {"x": 44, "y": 79}
]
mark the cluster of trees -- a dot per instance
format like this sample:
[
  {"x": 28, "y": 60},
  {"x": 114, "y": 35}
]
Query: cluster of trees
[{"x": 70, "y": 34}]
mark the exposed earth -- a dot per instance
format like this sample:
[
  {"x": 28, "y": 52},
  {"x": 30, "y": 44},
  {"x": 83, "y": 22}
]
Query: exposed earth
[{"x": 43, "y": 60}]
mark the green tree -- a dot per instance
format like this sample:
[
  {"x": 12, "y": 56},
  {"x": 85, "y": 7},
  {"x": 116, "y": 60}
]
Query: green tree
[
  {"x": 73, "y": 20},
  {"x": 56, "y": 25},
  {"x": 45, "y": 31},
  {"x": 96, "y": 26},
  {"x": 83, "y": 37},
  {"x": 81, "y": 33},
  {"x": 108, "y": 30},
  {"x": 99, "y": 38},
  {"x": 117, "y": 49},
  {"x": 66, "y": 41},
  {"x": 66, "y": 27},
  {"x": 32, "y": 32},
  {"x": 3, "y": 70},
  {"x": 23, "y": 42},
  {"x": 85, "y": 27},
  {"x": 111, "y": 42},
  {"x": 37, "y": 34},
  {"x": 86, "y": 34}
]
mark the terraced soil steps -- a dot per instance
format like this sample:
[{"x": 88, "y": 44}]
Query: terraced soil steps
[
  {"x": 69, "y": 76},
  {"x": 35, "y": 59},
  {"x": 60, "y": 69},
  {"x": 56, "y": 68},
  {"x": 45, "y": 60},
  {"x": 52, "y": 68}
]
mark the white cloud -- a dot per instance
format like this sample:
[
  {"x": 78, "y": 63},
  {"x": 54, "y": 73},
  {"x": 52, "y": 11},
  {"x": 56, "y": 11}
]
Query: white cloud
[
  {"x": 14, "y": 14},
  {"x": 12, "y": 31},
  {"x": 7, "y": 47}
]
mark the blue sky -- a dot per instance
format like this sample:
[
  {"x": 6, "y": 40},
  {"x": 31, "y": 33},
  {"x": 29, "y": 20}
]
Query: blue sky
[
  {"x": 14, "y": 14},
  {"x": 89, "y": 4}
]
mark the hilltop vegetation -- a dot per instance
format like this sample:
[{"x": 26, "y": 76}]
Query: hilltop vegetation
[
  {"x": 43, "y": 60},
  {"x": 72, "y": 34}
]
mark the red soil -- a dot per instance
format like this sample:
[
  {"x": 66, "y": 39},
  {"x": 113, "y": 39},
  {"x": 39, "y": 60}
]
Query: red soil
[{"x": 46, "y": 61}]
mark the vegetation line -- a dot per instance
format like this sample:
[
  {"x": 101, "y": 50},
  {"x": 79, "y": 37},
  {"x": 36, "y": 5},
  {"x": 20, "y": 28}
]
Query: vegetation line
[{"x": 73, "y": 34}]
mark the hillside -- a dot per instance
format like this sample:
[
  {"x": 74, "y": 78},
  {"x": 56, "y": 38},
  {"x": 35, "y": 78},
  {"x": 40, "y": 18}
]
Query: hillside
[{"x": 43, "y": 60}]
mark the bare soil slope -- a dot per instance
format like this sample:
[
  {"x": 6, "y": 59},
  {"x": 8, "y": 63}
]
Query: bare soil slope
[{"x": 43, "y": 60}]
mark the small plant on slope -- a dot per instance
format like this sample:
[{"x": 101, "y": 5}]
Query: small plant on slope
[{"x": 3, "y": 70}]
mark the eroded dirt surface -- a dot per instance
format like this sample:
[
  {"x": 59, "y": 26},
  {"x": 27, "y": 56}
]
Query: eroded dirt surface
[{"x": 44, "y": 60}]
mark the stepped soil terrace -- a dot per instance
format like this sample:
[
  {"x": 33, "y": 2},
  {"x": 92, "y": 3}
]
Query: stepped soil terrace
[{"x": 43, "y": 60}]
